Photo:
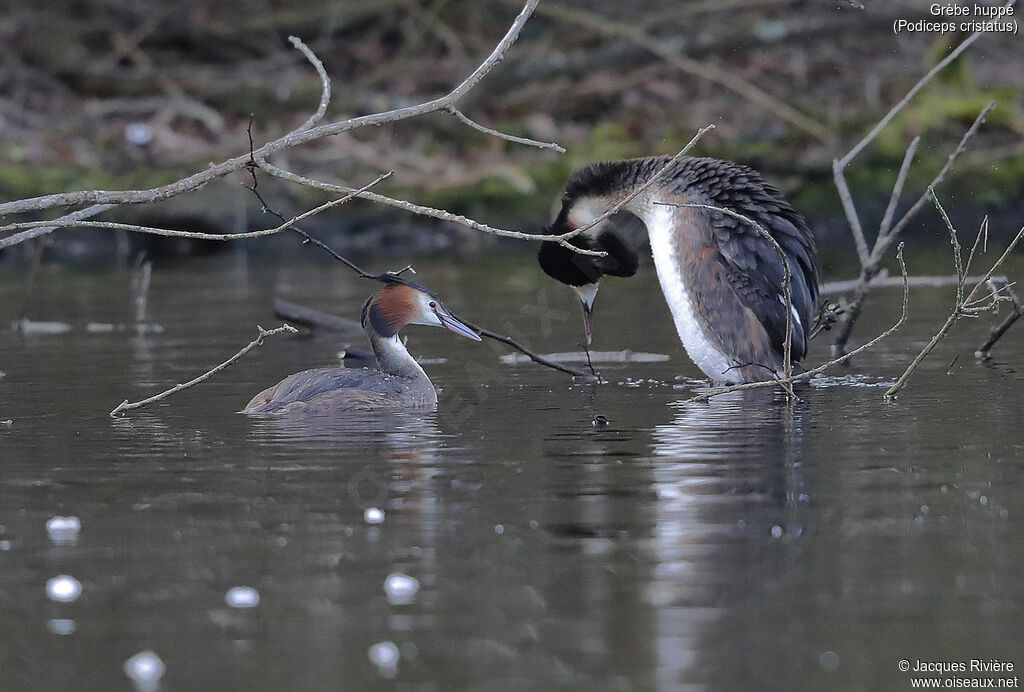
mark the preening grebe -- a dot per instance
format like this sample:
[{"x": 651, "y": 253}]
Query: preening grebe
[
  {"x": 399, "y": 381},
  {"x": 722, "y": 281}
]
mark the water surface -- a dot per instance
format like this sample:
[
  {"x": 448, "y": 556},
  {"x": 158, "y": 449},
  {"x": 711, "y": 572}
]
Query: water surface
[{"x": 741, "y": 544}]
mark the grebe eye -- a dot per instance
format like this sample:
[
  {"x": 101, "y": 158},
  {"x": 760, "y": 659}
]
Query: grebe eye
[{"x": 433, "y": 304}]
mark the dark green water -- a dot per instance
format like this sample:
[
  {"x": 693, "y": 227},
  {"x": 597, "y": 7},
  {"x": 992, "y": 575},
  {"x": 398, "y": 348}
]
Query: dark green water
[{"x": 738, "y": 545}]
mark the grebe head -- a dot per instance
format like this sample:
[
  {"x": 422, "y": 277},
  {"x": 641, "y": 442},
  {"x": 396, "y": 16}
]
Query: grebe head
[
  {"x": 403, "y": 302},
  {"x": 579, "y": 272}
]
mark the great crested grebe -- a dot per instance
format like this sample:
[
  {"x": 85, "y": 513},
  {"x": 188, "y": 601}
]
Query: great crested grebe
[
  {"x": 399, "y": 381},
  {"x": 721, "y": 279}
]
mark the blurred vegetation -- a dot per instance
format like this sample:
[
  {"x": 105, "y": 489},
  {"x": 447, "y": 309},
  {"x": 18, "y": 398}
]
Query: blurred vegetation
[{"x": 105, "y": 94}]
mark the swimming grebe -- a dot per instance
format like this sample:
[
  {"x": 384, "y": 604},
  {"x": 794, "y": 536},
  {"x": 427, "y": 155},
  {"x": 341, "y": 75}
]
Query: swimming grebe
[
  {"x": 721, "y": 279},
  {"x": 399, "y": 381}
]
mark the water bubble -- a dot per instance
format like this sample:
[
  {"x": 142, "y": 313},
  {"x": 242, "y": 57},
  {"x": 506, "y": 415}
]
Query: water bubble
[
  {"x": 63, "y": 589},
  {"x": 144, "y": 669},
  {"x": 62, "y": 626},
  {"x": 401, "y": 588},
  {"x": 63, "y": 530},
  {"x": 373, "y": 515},
  {"x": 828, "y": 660},
  {"x": 5, "y": 545},
  {"x": 385, "y": 656},
  {"x": 499, "y": 529},
  {"x": 983, "y": 500},
  {"x": 777, "y": 531},
  {"x": 242, "y": 597}
]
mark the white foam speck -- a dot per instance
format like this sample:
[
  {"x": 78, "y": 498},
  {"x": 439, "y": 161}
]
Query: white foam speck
[
  {"x": 400, "y": 588},
  {"x": 385, "y": 656},
  {"x": 63, "y": 589},
  {"x": 145, "y": 670},
  {"x": 777, "y": 531},
  {"x": 242, "y": 597},
  {"x": 373, "y": 515},
  {"x": 63, "y": 530},
  {"x": 499, "y": 529}
]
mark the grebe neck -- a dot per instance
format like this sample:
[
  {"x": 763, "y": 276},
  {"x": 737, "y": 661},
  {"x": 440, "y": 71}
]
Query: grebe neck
[{"x": 394, "y": 359}]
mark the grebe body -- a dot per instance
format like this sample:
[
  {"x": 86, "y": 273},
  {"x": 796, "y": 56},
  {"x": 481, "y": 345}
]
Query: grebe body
[
  {"x": 398, "y": 382},
  {"x": 722, "y": 280}
]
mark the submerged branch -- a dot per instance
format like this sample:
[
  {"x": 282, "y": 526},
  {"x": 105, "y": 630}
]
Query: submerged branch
[
  {"x": 962, "y": 306},
  {"x": 984, "y": 351}
]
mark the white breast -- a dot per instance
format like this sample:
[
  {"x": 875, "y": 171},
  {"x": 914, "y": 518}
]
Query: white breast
[{"x": 707, "y": 356}]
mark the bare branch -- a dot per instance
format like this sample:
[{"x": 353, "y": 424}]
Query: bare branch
[
  {"x": 961, "y": 147},
  {"x": 501, "y": 135},
  {"x": 290, "y": 140},
  {"x": 961, "y": 306},
  {"x": 195, "y": 235},
  {"x": 984, "y": 351},
  {"x": 884, "y": 240},
  {"x": 897, "y": 188},
  {"x": 851, "y": 211},
  {"x": 325, "y": 85},
  {"x": 51, "y": 226},
  {"x": 870, "y": 136},
  {"x": 263, "y": 333},
  {"x": 416, "y": 208}
]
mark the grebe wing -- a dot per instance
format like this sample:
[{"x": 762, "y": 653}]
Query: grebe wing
[
  {"x": 755, "y": 271},
  {"x": 308, "y": 385}
]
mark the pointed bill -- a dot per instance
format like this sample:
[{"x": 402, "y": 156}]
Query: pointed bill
[
  {"x": 586, "y": 293},
  {"x": 452, "y": 324}
]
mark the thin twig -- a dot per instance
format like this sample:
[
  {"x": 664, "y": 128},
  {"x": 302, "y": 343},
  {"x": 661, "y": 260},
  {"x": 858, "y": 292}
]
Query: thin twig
[
  {"x": 851, "y": 211},
  {"x": 462, "y": 117},
  {"x": 263, "y": 333},
  {"x": 835, "y": 361},
  {"x": 421, "y": 210},
  {"x": 984, "y": 351},
  {"x": 254, "y": 188},
  {"x": 962, "y": 307},
  {"x": 536, "y": 358},
  {"x": 961, "y": 147},
  {"x": 885, "y": 240},
  {"x": 325, "y": 85},
  {"x": 194, "y": 235},
  {"x": 897, "y": 188},
  {"x": 894, "y": 111}
]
